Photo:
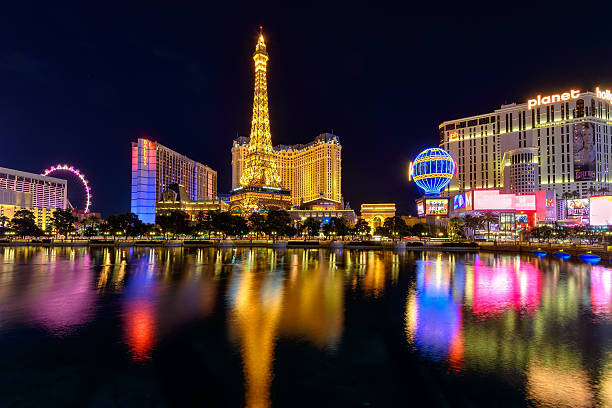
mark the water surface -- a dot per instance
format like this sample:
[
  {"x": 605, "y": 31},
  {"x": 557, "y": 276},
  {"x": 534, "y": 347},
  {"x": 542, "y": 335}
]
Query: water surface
[{"x": 301, "y": 328}]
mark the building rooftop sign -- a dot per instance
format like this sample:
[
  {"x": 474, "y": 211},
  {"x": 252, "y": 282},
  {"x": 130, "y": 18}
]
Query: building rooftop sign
[{"x": 545, "y": 100}]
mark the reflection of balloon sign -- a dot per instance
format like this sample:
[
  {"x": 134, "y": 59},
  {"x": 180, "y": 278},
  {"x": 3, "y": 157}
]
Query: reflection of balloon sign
[
  {"x": 76, "y": 172},
  {"x": 432, "y": 170}
]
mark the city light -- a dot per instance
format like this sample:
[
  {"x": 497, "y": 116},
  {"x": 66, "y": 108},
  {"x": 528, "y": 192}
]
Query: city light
[
  {"x": 433, "y": 169},
  {"x": 76, "y": 172}
]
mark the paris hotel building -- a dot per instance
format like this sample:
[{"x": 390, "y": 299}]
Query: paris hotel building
[
  {"x": 557, "y": 142},
  {"x": 310, "y": 171}
]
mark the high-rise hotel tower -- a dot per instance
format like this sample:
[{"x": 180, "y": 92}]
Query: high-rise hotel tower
[
  {"x": 155, "y": 167},
  {"x": 557, "y": 142}
]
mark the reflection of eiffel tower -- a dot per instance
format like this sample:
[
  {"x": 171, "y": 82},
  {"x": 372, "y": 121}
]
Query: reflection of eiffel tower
[{"x": 260, "y": 182}]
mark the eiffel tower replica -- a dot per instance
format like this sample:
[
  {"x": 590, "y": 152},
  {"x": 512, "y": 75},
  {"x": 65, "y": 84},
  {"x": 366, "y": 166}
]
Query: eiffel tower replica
[{"x": 260, "y": 184}]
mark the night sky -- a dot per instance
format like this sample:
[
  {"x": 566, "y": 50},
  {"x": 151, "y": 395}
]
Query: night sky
[{"x": 79, "y": 83}]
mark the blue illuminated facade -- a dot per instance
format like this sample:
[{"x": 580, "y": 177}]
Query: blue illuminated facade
[
  {"x": 155, "y": 167},
  {"x": 432, "y": 170},
  {"x": 144, "y": 183}
]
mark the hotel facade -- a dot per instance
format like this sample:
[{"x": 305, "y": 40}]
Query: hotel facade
[
  {"x": 311, "y": 171},
  {"x": 155, "y": 167},
  {"x": 559, "y": 142},
  {"x": 42, "y": 195}
]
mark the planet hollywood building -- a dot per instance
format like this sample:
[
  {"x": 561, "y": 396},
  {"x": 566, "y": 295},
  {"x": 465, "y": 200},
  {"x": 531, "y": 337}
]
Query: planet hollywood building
[{"x": 558, "y": 142}]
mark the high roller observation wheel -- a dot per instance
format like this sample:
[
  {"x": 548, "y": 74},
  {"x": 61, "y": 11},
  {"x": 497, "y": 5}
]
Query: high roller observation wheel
[{"x": 76, "y": 172}]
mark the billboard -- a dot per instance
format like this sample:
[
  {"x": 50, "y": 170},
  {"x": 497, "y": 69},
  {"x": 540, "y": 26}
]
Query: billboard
[
  {"x": 459, "y": 202},
  {"x": 485, "y": 200},
  {"x": 601, "y": 210},
  {"x": 436, "y": 206},
  {"x": 522, "y": 219},
  {"x": 492, "y": 200},
  {"x": 525, "y": 202},
  {"x": 584, "y": 152},
  {"x": 578, "y": 207},
  {"x": 420, "y": 208}
]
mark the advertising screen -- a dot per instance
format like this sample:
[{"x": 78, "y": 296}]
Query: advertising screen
[
  {"x": 459, "y": 202},
  {"x": 436, "y": 206},
  {"x": 497, "y": 201},
  {"x": 420, "y": 208},
  {"x": 578, "y": 207},
  {"x": 492, "y": 200},
  {"x": 601, "y": 210},
  {"x": 525, "y": 202},
  {"x": 522, "y": 219},
  {"x": 584, "y": 152}
]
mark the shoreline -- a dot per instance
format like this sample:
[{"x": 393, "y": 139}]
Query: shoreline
[{"x": 603, "y": 251}]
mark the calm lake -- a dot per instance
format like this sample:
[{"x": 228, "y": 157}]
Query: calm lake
[{"x": 301, "y": 328}]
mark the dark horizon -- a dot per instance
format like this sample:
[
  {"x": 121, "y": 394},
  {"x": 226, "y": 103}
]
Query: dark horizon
[{"x": 80, "y": 83}]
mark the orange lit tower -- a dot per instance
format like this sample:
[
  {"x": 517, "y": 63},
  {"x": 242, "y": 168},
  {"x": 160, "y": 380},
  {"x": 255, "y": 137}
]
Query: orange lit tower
[{"x": 260, "y": 184}]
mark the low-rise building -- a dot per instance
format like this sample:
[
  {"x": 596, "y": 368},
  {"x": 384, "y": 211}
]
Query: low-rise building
[
  {"x": 323, "y": 210},
  {"x": 176, "y": 198},
  {"x": 375, "y": 214}
]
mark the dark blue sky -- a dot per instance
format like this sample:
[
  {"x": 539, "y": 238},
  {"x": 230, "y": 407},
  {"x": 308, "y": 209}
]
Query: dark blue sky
[{"x": 78, "y": 83}]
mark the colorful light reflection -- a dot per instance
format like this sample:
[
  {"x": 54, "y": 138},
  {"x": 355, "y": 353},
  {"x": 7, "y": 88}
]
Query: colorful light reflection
[
  {"x": 433, "y": 318},
  {"x": 504, "y": 286}
]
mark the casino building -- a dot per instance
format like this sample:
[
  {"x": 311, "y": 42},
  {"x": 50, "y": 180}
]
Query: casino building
[
  {"x": 156, "y": 167},
  {"x": 28, "y": 191},
  {"x": 310, "y": 171},
  {"x": 559, "y": 142}
]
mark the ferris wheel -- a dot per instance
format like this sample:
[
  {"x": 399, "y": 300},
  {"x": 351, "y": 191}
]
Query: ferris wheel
[{"x": 76, "y": 172}]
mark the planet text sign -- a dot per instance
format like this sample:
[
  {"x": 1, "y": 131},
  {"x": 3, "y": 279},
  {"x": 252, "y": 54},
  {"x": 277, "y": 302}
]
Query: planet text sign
[{"x": 545, "y": 100}]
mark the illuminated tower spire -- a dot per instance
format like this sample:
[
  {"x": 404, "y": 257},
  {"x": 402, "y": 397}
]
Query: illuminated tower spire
[{"x": 260, "y": 162}]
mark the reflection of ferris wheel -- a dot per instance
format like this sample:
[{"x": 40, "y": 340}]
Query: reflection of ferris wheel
[{"x": 76, "y": 172}]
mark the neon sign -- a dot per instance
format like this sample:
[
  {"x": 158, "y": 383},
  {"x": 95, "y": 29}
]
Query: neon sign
[
  {"x": 565, "y": 96},
  {"x": 145, "y": 151},
  {"x": 452, "y": 136},
  {"x": 607, "y": 95},
  {"x": 420, "y": 208}
]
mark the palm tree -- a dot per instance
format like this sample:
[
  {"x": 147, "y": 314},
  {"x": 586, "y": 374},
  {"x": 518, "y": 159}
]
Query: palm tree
[
  {"x": 471, "y": 223},
  {"x": 490, "y": 218}
]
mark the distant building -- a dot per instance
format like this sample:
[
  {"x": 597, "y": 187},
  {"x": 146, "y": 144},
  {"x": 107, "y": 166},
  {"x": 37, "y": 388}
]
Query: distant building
[
  {"x": 375, "y": 214},
  {"x": 28, "y": 191},
  {"x": 176, "y": 198},
  {"x": 155, "y": 167},
  {"x": 323, "y": 210},
  {"x": 82, "y": 215},
  {"x": 309, "y": 171}
]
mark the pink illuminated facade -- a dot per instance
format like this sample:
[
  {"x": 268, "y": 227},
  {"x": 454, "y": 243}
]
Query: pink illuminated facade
[{"x": 537, "y": 207}]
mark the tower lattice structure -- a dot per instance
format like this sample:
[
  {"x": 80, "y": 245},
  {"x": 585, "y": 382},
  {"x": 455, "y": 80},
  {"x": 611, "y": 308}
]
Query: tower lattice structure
[{"x": 260, "y": 162}]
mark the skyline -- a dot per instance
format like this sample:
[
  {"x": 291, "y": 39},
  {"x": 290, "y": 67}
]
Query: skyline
[{"x": 184, "y": 79}]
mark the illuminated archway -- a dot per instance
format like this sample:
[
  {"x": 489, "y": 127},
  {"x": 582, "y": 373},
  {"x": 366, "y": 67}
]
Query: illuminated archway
[
  {"x": 76, "y": 172},
  {"x": 377, "y": 222}
]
